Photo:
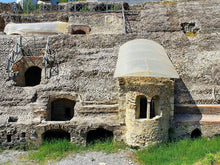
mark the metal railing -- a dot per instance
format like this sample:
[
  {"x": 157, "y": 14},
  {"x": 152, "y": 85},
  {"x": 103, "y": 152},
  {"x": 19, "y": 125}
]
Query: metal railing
[
  {"x": 27, "y": 47},
  {"x": 66, "y": 7},
  {"x": 50, "y": 65}
]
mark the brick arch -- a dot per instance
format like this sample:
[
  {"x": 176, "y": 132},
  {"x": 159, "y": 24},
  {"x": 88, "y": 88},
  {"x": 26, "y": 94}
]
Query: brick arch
[
  {"x": 79, "y": 29},
  {"x": 22, "y": 66}
]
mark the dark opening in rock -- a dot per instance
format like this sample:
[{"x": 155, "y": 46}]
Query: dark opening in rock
[
  {"x": 62, "y": 109},
  {"x": 98, "y": 134},
  {"x": 55, "y": 134},
  {"x": 2, "y": 24},
  {"x": 8, "y": 138},
  {"x": 23, "y": 134},
  {"x": 196, "y": 133},
  {"x": 33, "y": 76},
  {"x": 12, "y": 119},
  {"x": 143, "y": 107},
  {"x": 79, "y": 32}
]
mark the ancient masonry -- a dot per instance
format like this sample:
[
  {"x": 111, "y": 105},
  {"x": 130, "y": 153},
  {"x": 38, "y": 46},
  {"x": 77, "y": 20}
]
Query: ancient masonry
[{"x": 144, "y": 74}]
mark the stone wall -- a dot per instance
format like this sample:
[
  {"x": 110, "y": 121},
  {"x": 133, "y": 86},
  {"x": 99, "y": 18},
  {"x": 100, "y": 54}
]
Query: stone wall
[
  {"x": 86, "y": 65},
  {"x": 146, "y": 131},
  {"x": 5, "y": 7}
]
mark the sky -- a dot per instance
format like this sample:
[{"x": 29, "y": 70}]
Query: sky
[{"x": 6, "y": 1}]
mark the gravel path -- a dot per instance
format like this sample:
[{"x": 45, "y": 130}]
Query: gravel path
[{"x": 11, "y": 157}]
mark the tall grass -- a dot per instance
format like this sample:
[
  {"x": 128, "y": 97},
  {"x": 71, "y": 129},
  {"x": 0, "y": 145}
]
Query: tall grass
[
  {"x": 183, "y": 152},
  {"x": 57, "y": 149},
  {"x": 54, "y": 150}
]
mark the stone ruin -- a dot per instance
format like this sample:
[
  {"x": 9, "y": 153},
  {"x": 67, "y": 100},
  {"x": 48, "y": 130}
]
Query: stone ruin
[{"x": 132, "y": 75}]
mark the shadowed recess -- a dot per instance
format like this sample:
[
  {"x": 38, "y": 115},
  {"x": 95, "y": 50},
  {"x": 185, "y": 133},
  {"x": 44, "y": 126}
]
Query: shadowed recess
[
  {"x": 98, "y": 134},
  {"x": 196, "y": 133},
  {"x": 33, "y": 76},
  {"x": 55, "y": 134}
]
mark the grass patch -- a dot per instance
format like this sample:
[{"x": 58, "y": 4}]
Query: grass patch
[
  {"x": 57, "y": 149},
  {"x": 108, "y": 146},
  {"x": 168, "y": 2},
  {"x": 182, "y": 152}
]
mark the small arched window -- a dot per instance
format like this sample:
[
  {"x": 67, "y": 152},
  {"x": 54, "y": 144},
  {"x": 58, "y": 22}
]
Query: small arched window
[
  {"x": 141, "y": 107},
  {"x": 154, "y": 107}
]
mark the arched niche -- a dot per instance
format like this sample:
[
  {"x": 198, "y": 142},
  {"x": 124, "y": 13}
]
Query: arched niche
[
  {"x": 55, "y": 134},
  {"x": 196, "y": 133},
  {"x": 99, "y": 134},
  {"x": 79, "y": 29},
  {"x": 28, "y": 71},
  {"x": 79, "y": 32},
  {"x": 62, "y": 109}
]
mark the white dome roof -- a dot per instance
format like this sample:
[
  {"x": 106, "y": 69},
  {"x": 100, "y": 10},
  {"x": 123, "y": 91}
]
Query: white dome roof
[{"x": 144, "y": 58}]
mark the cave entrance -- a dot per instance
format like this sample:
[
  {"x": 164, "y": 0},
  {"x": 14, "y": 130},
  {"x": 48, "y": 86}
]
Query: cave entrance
[
  {"x": 196, "y": 133},
  {"x": 62, "y": 109},
  {"x": 55, "y": 134},
  {"x": 33, "y": 76},
  {"x": 99, "y": 134},
  {"x": 2, "y": 24}
]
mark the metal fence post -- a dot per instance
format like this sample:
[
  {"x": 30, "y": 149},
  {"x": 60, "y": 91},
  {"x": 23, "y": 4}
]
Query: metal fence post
[{"x": 27, "y": 6}]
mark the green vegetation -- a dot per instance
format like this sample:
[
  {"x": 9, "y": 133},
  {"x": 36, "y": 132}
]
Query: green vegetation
[
  {"x": 63, "y": 1},
  {"x": 210, "y": 159},
  {"x": 57, "y": 149},
  {"x": 28, "y": 7},
  {"x": 183, "y": 152},
  {"x": 115, "y": 7},
  {"x": 190, "y": 34},
  {"x": 85, "y": 8}
]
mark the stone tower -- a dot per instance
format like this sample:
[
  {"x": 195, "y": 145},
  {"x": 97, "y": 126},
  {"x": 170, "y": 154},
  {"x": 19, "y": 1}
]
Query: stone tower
[{"x": 146, "y": 92}]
